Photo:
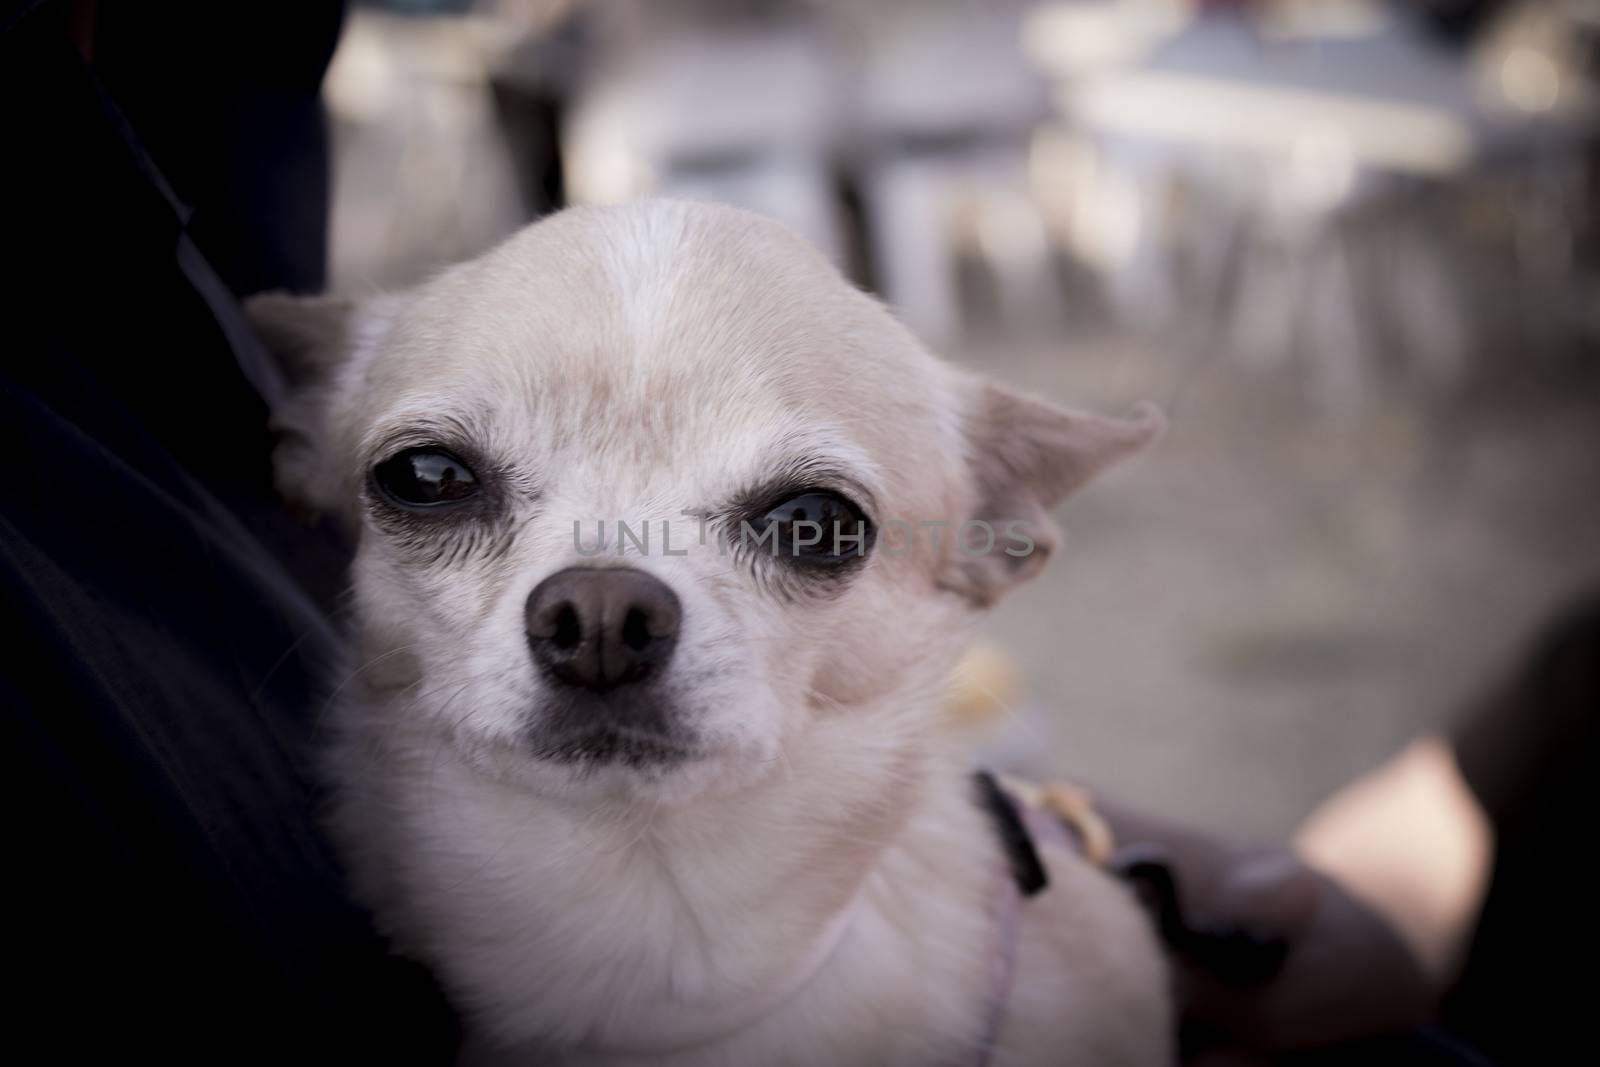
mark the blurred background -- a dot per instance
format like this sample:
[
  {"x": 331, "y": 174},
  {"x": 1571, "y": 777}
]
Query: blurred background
[{"x": 1352, "y": 246}]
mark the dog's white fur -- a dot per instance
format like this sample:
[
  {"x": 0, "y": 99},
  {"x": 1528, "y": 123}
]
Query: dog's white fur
[{"x": 815, "y": 884}]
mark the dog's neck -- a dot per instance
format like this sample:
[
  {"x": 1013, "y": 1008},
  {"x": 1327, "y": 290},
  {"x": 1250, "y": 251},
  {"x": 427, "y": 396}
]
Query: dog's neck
[{"x": 641, "y": 930}]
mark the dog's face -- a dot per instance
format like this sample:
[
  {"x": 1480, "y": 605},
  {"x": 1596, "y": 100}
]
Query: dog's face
[{"x": 645, "y": 492}]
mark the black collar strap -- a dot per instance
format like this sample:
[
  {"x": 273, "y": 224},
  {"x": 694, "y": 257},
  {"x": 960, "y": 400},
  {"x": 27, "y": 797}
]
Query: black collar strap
[
  {"x": 1227, "y": 951},
  {"x": 1027, "y": 869}
]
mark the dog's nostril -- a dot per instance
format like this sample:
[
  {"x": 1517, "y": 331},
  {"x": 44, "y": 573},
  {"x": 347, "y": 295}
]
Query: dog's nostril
[
  {"x": 636, "y": 630},
  {"x": 568, "y": 633}
]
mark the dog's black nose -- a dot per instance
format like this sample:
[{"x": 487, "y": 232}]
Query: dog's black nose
[{"x": 602, "y": 627}]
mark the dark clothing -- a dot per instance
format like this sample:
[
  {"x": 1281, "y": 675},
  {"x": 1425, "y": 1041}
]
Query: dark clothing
[
  {"x": 1529, "y": 753},
  {"x": 167, "y": 650}
]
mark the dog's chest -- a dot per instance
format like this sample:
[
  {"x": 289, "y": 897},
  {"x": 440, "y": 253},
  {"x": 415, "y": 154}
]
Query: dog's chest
[{"x": 558, "y": 936}]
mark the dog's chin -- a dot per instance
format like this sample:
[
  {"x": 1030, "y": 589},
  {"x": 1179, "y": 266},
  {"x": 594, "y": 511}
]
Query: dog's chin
[
  {"x": 621, "y": 766},
  {"x": 602, "y": 745},
  {"x": 642, "y": 728},
  {"x": 629, "y": 745},
  {"x": 625, "y": 744}
]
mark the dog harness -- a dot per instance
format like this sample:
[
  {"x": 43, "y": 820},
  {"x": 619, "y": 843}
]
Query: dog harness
[{"x": 1024, "y": 815}]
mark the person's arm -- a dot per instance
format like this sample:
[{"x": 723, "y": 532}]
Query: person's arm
[
  {"x": 1411, "y": 842},
  {"x": 1346, "y": 975},
  {"x": 1452, "y": 846}
]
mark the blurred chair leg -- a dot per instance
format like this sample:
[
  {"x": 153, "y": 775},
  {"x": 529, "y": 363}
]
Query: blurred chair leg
[{"x": 915, "y": 260}]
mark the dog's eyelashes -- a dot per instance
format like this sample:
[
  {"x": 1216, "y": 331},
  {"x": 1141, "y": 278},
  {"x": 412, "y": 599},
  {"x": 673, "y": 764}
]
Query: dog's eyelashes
[
  {"x": 817, "y": 526},
  {"x": 425, "y": 478}
]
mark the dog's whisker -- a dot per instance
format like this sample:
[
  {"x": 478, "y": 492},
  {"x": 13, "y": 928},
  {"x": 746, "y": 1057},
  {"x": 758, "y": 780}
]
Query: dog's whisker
[
  {"x": 645, "y": 825},
  {"x": 1014, "y": 714},
  {"x": 441, "y": 743},
  {"x": 368, "y": 665},
  {"x": 783, "y": 762}
]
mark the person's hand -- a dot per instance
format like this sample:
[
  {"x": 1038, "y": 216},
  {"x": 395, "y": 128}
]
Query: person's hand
[{"x": 1345, "y": 976}]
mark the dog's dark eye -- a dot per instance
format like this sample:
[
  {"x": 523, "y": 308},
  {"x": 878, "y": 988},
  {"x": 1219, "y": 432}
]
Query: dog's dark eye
[
  {"x": 425, "y": 478},
  {"x": 816, "y": 527}
]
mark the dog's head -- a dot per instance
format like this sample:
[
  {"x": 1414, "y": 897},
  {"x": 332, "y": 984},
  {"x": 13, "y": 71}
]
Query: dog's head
[{"x": 646, "y": 492}]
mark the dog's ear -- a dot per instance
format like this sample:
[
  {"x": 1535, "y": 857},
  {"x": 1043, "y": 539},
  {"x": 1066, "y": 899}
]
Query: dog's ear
[
  {"x": 1026, "y": 456},
  {"x": 306, "y": 334},
  {"x": 310, "y": 338}
]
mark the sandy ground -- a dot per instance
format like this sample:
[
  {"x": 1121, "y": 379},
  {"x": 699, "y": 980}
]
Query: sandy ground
[{"x": 1274, "y": 599}]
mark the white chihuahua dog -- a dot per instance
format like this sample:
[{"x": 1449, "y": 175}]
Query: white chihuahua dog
[{"x": 668, "y": 539}]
